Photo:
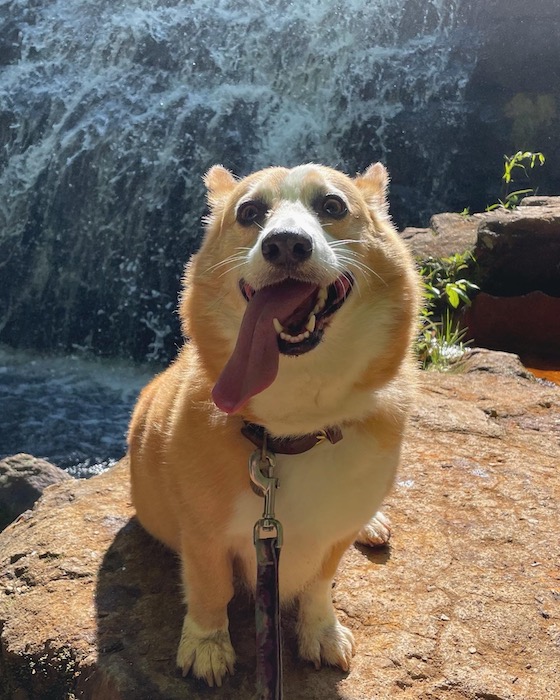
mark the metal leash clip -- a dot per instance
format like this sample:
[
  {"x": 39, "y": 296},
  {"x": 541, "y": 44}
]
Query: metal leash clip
[{"x": 261, "y": 471}]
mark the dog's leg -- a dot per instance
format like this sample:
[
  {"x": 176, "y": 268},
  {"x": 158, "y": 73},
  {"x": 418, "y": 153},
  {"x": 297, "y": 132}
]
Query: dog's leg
[
  {"x": 321, "y": 637},
  {"x": 205, "y": 646},
  {"x": 377, "y": 532}
]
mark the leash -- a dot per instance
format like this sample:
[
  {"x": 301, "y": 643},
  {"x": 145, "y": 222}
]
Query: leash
[{"x": 267, "y": 536}]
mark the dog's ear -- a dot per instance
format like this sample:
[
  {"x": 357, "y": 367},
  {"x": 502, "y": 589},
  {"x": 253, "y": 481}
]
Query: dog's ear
[
  {"x": 219, "y": 183},
  {"x": 374, "y": 184}
]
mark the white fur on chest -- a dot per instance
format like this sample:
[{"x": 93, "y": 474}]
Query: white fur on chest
[{"x": 324, "y": 496}]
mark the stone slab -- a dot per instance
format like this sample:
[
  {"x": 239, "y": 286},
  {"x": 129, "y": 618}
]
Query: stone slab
[{"x": 463, "y": 605}]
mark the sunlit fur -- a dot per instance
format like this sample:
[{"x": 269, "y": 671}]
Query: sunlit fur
[{"x": 190, "y": 482}]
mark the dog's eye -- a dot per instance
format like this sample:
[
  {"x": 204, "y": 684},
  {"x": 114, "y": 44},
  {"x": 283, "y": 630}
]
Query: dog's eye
[
  {"x": 334, "y": 206},
  {"x": 250, "y": 212}
]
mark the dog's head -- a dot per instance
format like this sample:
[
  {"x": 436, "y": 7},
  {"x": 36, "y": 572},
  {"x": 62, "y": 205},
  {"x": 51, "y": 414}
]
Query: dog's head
[{"x": 299, "y": 263}]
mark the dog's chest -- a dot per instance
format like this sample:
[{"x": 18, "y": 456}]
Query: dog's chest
[{"x": 324, "y": 496}]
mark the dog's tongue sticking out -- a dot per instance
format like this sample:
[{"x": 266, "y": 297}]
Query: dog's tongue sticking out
[{"x": 253, "y": 365}]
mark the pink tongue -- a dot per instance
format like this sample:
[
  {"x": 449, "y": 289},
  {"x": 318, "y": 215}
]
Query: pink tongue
[{"x": 253, "y": 365}]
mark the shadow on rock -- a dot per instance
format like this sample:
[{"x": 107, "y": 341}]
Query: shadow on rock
[
  {"x": 376, "y": 555},
  {"x": 139, "y": 613}
]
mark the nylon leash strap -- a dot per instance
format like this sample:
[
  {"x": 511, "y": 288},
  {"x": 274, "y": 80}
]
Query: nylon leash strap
[{"x": 267, "y": 536}]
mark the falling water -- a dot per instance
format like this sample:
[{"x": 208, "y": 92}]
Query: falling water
[{"x": 112, "y": 111}]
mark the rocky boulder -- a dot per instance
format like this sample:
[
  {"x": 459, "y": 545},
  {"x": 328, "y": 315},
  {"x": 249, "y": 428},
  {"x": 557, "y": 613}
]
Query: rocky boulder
[
  {"x": 516, "y": 264},
  {"x": 23, "y": 479},
  {"x": 516, "y": 250},
  {"x": 447, "y": 234},
  {"x": 519, "y": 251},
  {"x": 463, "y": 605}
]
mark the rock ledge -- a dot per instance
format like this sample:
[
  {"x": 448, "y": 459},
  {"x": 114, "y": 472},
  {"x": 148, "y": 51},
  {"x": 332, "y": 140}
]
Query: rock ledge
[{"x": 464, "y": 604}]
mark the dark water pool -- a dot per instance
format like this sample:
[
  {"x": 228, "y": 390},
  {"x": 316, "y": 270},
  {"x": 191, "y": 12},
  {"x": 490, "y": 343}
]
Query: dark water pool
[{"x": 72, "y": 411}]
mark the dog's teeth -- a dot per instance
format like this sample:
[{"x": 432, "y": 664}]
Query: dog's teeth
[
  {"x": 278, "y": 327},
  {"x": 321, "y": 300},
  {"x": 295, "y": 338},
  {"x": 310, "y": 325},
  {"x": 319, "y": 307}
]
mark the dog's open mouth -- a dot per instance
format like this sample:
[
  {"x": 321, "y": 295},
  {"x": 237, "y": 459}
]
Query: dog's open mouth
[
  {"x": 289, "y": 317},
  {"x": 303, "y": 328}
]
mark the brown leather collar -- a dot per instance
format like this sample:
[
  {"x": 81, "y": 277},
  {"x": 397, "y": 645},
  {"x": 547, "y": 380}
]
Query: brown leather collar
[{"x": 289, "y": 445}]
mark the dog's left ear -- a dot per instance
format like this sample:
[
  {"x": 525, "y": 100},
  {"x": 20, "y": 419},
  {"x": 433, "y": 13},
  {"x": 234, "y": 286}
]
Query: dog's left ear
[
  {"x": 374, "y": 184},
  {"x": 219, "y": 183}
]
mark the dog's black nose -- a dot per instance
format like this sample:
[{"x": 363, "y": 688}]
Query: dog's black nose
[{"x": 285, "y": 247}]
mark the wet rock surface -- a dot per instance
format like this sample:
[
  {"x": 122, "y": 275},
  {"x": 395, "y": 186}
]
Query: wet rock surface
[
  {"x": 527, "y": 324},
  {"x": 463, "y": 604}
]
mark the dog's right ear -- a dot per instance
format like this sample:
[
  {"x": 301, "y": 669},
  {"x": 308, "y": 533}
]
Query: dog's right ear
[
  {"x": 219, "y": 183},
  {"x": 374, "y": 184}
]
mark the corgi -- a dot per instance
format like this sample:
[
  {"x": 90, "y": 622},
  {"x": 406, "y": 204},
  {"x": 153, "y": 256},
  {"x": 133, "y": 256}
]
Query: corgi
[{"x": 299, "y": 310}]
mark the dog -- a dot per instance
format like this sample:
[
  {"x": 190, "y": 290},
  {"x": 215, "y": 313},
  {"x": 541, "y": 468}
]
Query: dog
[{"x": 299, "y": 310}]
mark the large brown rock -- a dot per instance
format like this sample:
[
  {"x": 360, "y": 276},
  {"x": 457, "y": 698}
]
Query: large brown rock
[
  {"x": 23, "y": 478},
  {"x": 464, "y": 604},
  {"x": 447, "y": 234},
  {"x": 519, "y": 251},
  {"x": 516, "y": 251}
]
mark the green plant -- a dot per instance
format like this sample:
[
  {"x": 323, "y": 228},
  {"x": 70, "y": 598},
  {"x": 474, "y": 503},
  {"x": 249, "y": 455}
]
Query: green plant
[
  {"x": 446, "y": 289},
  {"x": 440, "y": 343},
  {"x": 518, "y": 161},
  {"x": 444, "y": 283}
]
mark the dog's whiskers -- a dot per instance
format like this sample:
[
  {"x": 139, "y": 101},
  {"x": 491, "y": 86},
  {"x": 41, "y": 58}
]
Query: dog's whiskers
[
  {"x": 341, "y": 242},
  {"x": 351, "y": 259},
  {"x": 236, "y": 257},
  {"x": 225, "y": 261},
  {"x": 233, "y": 267}
]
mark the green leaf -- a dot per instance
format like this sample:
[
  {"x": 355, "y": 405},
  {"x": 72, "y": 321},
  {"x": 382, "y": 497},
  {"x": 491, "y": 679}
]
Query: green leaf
[{"x": 452, "y": 295}]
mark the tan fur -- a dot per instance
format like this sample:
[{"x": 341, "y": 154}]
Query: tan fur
[{"x": 190, "y": 483}]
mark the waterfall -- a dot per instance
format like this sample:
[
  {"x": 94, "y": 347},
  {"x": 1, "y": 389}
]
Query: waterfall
[{"x": 112, "y": 110}]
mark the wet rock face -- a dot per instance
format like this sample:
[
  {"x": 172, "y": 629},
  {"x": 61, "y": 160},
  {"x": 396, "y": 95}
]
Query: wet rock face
[
  {"x": 110, "y": 114},
  {"x": 463, "y": 604}
]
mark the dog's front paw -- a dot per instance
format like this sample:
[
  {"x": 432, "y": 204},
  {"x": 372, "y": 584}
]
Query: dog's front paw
[
  {"x": 377, "y": 532},
  {"x": 330, "y": 643},
  {"x": 207, "y": 653}
]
